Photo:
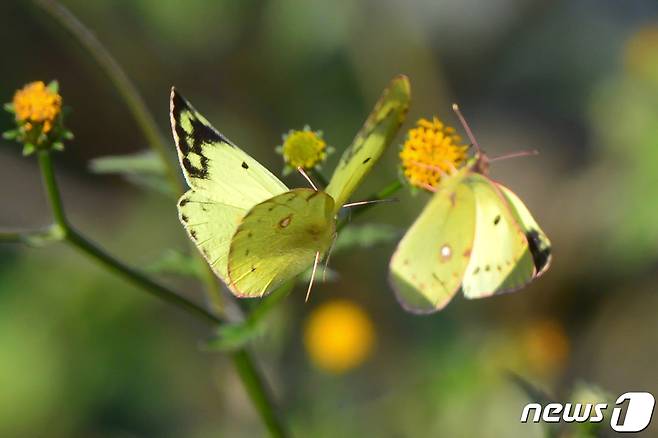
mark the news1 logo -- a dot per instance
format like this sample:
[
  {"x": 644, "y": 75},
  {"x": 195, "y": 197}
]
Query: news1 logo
[{"x": 632, "y": 412}]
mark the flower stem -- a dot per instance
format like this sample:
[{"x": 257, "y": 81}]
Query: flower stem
[
  {"x": 119, "y": 78},
  {"x": 255, "y": 386},
  {"x": 251, "y": 378},
  {"x": 89, "y": 248},
  {"x": 137, "y": 107}
]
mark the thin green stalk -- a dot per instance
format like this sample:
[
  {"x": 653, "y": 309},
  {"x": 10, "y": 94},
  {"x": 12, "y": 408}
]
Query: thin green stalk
[
  {"x": 384, "y": 193},
  {"x": 11, "y": 236},
  {"x": 121, "y": 81},
  {"x": 254, "y": 383},
  {"x": 146, "y": 122},
  {"x": 251, "y": 378},
  {"x": 137, "y": 107},
  {"x": 89, "y": 248}
]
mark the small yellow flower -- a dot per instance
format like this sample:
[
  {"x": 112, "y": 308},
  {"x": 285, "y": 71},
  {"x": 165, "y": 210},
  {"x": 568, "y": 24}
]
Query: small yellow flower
[
  {"x": 305, "y": 148},
  {"x": 546, "y": 346},
  {"x": 35, "y": 103},
  {"x": 430, "y": 151},
  {"x": 338, "y": 336},
  {"x": 640, "y": 53}
]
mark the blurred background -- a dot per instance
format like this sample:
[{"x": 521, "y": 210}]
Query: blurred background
[{"x": 83, "y": 354}]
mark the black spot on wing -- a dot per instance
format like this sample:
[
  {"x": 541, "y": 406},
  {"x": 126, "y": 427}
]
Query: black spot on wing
[
  {"x": 540, "y": 253},
  {"x": 366, "y": 160},
  {"x": 496, "y": 220},
  {"x": 183, "y": 202},
  {"x": 245, "y": 165},
  {"x": 193, "y": 141},
  {"x": 194, "y": 171}
]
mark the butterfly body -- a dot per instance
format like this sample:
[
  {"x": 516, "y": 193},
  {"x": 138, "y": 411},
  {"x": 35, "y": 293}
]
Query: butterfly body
[{"x": 474, "y": 235}]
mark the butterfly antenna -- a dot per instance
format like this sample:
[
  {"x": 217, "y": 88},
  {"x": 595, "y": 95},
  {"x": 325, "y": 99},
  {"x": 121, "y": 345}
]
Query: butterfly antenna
[
  {"x": 371, "y": 201},
  {"x": 461, "y": 118},
  {"x": 308, "y": 178},
  {"x": 315, "y": 268},
  {"x": 518, "y": 154}
]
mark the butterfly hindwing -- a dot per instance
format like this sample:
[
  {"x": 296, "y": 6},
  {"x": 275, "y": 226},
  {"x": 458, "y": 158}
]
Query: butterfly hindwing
[
  {"x": 429, "y": 263},
  {"x": 376, "y": 134},
  {"x": 224, "y": 183},
  {"x": 500, "y": 260},
  {"x": 279, "y": 239}
]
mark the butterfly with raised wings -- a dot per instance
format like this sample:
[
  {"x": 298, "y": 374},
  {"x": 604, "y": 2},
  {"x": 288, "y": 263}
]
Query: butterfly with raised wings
[{"x": 254, "y": 232}]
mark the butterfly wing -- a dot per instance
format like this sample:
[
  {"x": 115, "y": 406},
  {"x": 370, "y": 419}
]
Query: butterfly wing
[
  {"x": 539, "y": 245},
  {"x": 279, "y": 239},
  {"x": 501, "y": 260},
  {"x": 376, "y": 134},
  {"x": 428, "y": 265},
  {"x": 224, "y": 183}
]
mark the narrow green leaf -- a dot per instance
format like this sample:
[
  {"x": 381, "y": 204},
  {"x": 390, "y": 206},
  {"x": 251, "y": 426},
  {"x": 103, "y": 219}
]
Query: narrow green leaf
[
  {"x": 10, "y": 135},
  {"x": 28, "y": 149},
  {"x": 9, "y": 107},
  {"x": 53, "y": 86},
  {"x": 176, "y": 263},
  {"x": 144, "y": 169},
  {"x": 365, "y": 236}
]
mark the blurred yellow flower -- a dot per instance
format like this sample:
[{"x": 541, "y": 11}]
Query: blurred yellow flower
[
  {"x": 36, "y": 103},
  {"x": 305, "y": 148},
  {"x": 546, "y": 346},
  {"x": 641, "y": 53},
  {"x": 431, "y": 150},
  {"x": 338, "y": 336}
]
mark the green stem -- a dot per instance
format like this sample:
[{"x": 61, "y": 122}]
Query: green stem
[
  {"x": 81, "y": 243},
  {"x": 260, "y": 398},
  {"x": 121, "y": 81},
  {"x": 384, "y": 193},
  {"x": 137, "y": 107},
  {"x": 51, "y": 188},
  {"x": 251, "y": 378}
]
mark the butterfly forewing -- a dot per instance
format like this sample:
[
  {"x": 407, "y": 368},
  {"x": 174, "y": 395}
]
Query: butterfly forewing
[
  {"x": 279, "y": 239},
  {"x": 539, "y": 245},
  {"x": 214, "y": 165},
  {"x": 500, "y": 260},
  {"x": 224, "y": 183},
  {"x": 430, "y": 261}
]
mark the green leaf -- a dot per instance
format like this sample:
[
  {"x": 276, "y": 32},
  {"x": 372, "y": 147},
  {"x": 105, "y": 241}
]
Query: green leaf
[
  {"x": 176, "y": 263},
  {"x": 58, "y": 146},
  {"x": 233, "y": 336},
  {"x": 9, "y": 107},
  {"x": 365, "y": 236},
  {"x": 28, "y": 149},
  {"x": 10, "y": 135},
  {"x": 53, "y": 86},
  {"x": 144, "y": 169}
]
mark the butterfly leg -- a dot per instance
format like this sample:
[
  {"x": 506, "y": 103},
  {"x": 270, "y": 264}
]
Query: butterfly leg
[
  {"x": 308, "y": 178},
  {"x": 315, "y": 267}
]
